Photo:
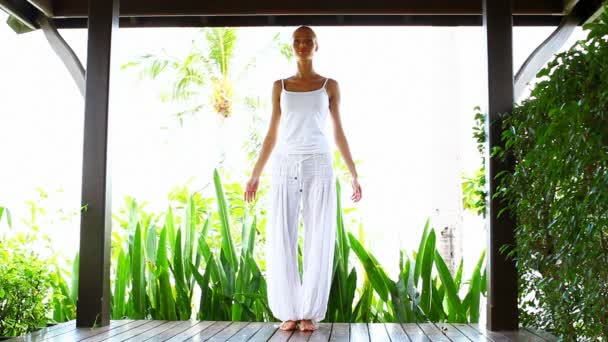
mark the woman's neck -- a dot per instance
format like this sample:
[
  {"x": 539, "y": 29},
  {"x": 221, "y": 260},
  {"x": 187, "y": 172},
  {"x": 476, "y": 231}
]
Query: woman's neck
[{"x": 305, "y": 70}]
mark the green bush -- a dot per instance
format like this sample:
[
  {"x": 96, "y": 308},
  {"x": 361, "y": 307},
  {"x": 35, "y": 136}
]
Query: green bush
[
  {"x": 24, "y": 285},
  {"x": 558, "y": 191}
]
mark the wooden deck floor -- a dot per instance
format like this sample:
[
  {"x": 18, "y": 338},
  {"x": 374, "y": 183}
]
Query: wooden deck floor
[{"x": 147, "y": 330}]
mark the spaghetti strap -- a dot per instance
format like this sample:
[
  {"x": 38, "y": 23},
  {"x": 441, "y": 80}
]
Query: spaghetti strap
[
  {"x": 282, "y": 84},
  {"x": 324, "y": 83}
]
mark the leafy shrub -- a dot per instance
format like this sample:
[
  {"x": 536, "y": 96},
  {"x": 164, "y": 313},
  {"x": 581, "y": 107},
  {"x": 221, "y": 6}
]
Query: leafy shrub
[
  {"x": 559, "y": 191},
  {"x": 24, "y": 284}
]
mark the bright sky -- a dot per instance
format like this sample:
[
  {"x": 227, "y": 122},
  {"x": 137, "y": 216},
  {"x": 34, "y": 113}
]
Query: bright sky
[{"x": 407, "y": 107}]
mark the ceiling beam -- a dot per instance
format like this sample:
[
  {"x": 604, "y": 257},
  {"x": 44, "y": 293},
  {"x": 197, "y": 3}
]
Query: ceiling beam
[
  {"x": 569, "y": 5},
  {"x": 594, "y": 9},
  {"x": 44, "y": 6},
  {"x": 143, "y": 8},
  {"x": 64, "y": 52},
  {"x": 545, "y": 51},
  {"x": 313, "y": 20},
  {"x": 22, "y": 10}
]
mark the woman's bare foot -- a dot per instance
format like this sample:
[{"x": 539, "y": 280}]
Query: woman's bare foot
[
  {"x": 288, "y": 325},
  {"x": 307, "y": 325}
]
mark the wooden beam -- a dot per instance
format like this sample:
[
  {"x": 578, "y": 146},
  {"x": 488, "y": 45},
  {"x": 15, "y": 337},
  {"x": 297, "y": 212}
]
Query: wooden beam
[
  {"x": 93, "y": 307},
  {"x": 44, "y": 6},
  {"x": 502, "y": 312},
  {"x": 595, "y": 10},
  {"x": 545, "y": 51},
  {"x": 314, "y": 20},
  {"x": 64, "y": 52},
  {"x": 22, "y": 10},
  {"x": 569, "y": 5},
  {"x": 139, "y": 8}
]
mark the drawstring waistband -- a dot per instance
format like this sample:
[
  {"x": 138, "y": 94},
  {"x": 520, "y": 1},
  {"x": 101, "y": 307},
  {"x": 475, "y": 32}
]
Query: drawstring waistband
[
  {"x": 285, "y": 166},
  {"x": 299, "y": 171}
]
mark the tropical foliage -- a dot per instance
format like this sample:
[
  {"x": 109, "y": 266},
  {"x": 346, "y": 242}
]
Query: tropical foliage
[
  {"x": 558, "y": 190},
  {"x": 24, "y": 284},
  {"x": 199, "y": 260},
  {"x": 474, "y": 186}
]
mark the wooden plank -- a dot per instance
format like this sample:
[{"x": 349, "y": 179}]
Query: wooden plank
[
  {"x": 93, "y": 306},
  {"x": 396, "y": 332},
  {"x": 502, "y": 311},
  {"x": 280, "y": 335},
  {"x": 300, "y": 336},
  {"x": 359, "y": 332},
  {"x": 245, "y": 333},
  {"x": 56, "y": 326},
  {"x": 414, "y": 332},
  {"x": 322, "y": 333},
  {"x": 451, "y": 332},
  {"x": 47, "y": 332},
  {"x": 433, "y": 333},
  {"x": 133, "y": 332},
  {"x": 35, "y": 335},
  {"x": 155, "y": 331},
  {"x": 493, "y": 335},
  {"x": 211, "y": 331},
  {"x": 228, "y": 331},
  {"x": 340, "y": 332},
  {"x": 522, "y": 335},
  {"x": 377, "y": 332},
  {"x": 82, "y": 333},
  {"x": 115, "y": 331},
  {"x": 186, "y": 334},
  {"x": 142, "y": 8},
  {"x": 265, "y": 333},
  {"x": 470, "y": 333},
  {"x": 170, "y": 333},
  {"x": 545, "y": 335}
]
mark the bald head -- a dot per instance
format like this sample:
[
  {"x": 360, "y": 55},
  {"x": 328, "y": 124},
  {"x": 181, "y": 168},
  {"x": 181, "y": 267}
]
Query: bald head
[{"x": 304, "y": 31}]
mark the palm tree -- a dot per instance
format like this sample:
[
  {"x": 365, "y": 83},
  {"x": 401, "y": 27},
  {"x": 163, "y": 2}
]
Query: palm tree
[{"x": 204, "y": 71}]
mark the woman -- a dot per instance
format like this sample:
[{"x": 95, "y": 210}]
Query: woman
[{"x": 302, "y": 171}]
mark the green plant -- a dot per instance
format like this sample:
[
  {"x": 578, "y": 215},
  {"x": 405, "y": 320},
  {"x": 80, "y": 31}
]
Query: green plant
[
  {"x": 406, "y": 300},
  {"x": 474, "y": 186},
  {"x": 5, "y": 212},
  {"x": 558, "y": 191},
  {"x": 165, "y": 261},
  {"x": 65, "y": 294},
  {"x": 24, "y": 284}
]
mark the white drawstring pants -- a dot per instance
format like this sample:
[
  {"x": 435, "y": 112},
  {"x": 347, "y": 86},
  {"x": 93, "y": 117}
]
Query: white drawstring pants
[{"x": 309, "y": 179}]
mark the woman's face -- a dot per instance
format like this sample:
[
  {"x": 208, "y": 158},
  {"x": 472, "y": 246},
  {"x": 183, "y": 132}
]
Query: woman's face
[{"x": 304, "y": 44}]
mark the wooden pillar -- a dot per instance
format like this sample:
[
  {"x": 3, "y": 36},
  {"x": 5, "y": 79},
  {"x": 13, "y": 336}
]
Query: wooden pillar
[
  {"x": 502, "y": 312},
  {"x": 93, "y": 306}
]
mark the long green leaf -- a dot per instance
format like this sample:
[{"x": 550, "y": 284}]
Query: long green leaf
[
  {"x": 425, "y": 269},
  {"x": 450, "y": 288},
  {"x": 138, "y": 285},
  {"x": 372, "y": 269},
  {"x": 167, "y": 301},
  {"x": 227, "y": 243}
]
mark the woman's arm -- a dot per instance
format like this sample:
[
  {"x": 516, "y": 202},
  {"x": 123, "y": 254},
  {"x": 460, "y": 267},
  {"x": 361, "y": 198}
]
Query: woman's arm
[
  {"x": 269, "y": 141},
  {"x": 273, "y": 129},
  {"x": 333, "y": 90}
]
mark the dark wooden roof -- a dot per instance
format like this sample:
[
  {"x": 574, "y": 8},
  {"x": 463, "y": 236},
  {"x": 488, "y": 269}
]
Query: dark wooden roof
[
  {"x": 192, "y": 13},
  {"x": 138, "y": 8}
]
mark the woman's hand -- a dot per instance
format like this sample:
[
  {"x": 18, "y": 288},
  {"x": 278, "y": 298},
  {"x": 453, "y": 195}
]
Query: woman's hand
[
  {"x": 356, "y": 196},
  {"x": 251, "y": 188}
]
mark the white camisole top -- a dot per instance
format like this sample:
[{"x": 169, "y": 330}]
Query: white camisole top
[{"x": 303, "y": 127}]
